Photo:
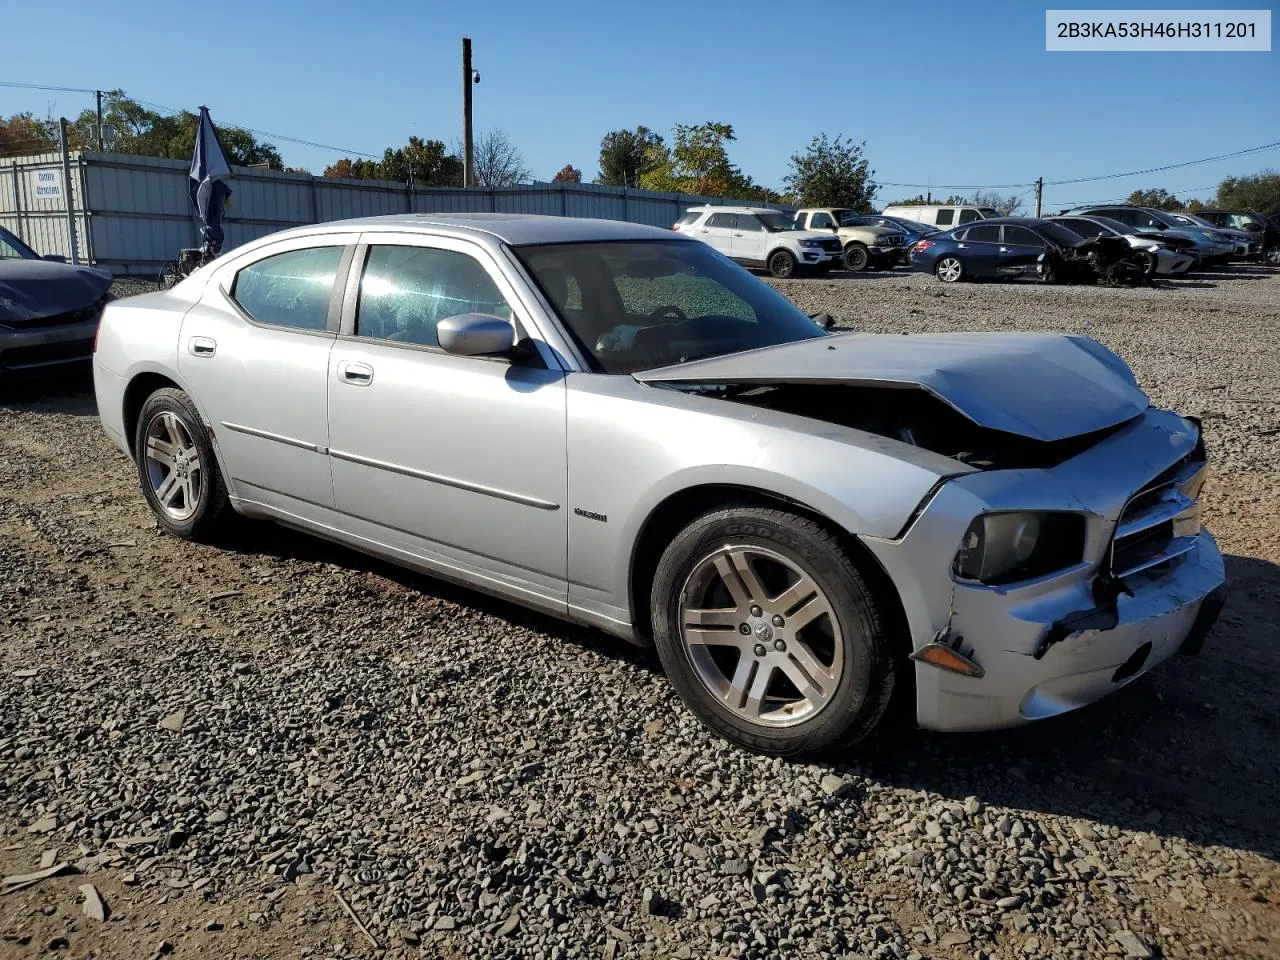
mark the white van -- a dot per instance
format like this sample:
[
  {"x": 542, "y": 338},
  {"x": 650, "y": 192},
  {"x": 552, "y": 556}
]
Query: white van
[{"x": 943, "y": 216}]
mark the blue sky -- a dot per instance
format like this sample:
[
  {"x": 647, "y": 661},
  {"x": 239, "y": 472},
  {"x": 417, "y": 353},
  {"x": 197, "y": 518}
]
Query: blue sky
[{"x": 942, "y": 93}]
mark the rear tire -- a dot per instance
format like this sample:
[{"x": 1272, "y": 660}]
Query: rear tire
[
  {"x": 782, "y": 264},
  {"x": 177, "y": 469},
  {"x": 949, "y": 269},
  {"x": 856, "y": 257},
  {"x": 815, "y": 665}
]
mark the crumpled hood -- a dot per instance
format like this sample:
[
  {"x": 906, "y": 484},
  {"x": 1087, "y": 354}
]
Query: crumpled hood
[
  {"x": 33, "y": 289},
  {"x": 1042, "y": 386}
]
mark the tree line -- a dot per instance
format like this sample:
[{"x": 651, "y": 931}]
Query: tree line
[{"x": 695, "y": 159}]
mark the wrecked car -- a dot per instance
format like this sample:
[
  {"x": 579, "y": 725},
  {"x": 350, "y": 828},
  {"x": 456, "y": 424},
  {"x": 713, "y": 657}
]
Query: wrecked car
[
  {"x": 618, "y": 426},
  {"x": 49, "y": 309},
  {"x": 1026, "y": 247}
]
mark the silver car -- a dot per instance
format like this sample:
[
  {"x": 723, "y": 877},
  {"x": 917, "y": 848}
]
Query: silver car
[
  {"x": 1163, "y": 255},
  {"x": 617, "y": 425}
]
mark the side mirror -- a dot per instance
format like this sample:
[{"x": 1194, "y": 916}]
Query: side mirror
[
  {"x": 55, "y": 257},
  {"x": 475, "y": 335}
]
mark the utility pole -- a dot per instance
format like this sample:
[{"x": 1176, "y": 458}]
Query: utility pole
[
  {"x": 98, "y": 96},
  {"x": 1039, "y": 191},
  {"x": 468, "y": 147},
  {"x": 66, "y": 189}
]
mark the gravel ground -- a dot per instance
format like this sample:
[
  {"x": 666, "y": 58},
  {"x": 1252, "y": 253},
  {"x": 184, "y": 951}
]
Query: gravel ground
[{"x": 270, "y": 748}]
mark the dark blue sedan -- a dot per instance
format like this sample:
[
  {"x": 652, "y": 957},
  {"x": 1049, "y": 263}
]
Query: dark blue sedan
[{"x": 999, "y": 247}]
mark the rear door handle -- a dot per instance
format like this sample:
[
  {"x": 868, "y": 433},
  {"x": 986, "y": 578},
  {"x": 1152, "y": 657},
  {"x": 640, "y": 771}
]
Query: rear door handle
[
  {"x": 360, "y": 374},
  {"x": 202, "y": 346}
]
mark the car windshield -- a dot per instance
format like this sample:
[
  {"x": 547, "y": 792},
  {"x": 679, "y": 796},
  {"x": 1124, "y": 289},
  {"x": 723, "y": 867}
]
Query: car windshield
[
  {"x": 850, "y": 218},
  {"x": 1114, "y": 225},
  {"x": 774, "y": 221},
  {"x": 11, "y": 248},
  {"x": 636, "y": 305}
]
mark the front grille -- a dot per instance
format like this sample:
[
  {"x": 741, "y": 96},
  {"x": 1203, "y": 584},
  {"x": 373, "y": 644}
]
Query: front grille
[
  {"x": 1160, "y": 522},
  {"x": 46, "y": 354},
  {"x": 832, "y": 245}
]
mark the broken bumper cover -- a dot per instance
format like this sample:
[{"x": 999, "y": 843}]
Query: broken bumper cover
[
  {"x": 1053, "y": 644},
  {"x": 1083, "y": 664}
]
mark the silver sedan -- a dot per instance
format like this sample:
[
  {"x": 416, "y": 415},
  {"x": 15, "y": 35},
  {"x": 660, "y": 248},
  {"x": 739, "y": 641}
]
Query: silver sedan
[{"x": 619, "y": 426}]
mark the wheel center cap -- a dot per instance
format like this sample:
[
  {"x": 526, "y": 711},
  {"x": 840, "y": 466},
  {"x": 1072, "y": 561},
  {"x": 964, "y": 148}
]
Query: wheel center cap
[{"x": 764, "y": 632}]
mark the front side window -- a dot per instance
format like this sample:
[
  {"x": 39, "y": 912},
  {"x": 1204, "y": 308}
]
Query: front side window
[
  {"x": 773, "y": 221},
  {"x": 946, "y": 217},
  {"x": 1021, "y": 236},
  {"x": 722, "y": 220},
  {"x": 289, "y": 289},
  {"x": 648, "y": 304},
  {"x": 406, "y": 291},
  {"x": 821, "y": 221},
  {"x": 750, "y": 223}
]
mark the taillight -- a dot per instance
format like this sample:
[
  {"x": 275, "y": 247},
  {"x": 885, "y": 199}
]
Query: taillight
[{"x": 922, "y": 245}]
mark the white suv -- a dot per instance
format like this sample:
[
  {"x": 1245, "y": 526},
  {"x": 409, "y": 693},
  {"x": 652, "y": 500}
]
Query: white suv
[{"x": 760, "y": 237}]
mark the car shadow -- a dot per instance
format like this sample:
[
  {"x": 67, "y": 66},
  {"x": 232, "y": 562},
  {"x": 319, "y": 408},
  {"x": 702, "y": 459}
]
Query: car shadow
[
  {"x": 1192, "y": 749},
  {"x": 66, "y": 390}
]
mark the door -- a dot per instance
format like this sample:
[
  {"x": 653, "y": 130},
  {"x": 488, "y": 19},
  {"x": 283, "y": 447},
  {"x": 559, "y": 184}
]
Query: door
[
  {"x": 1020, "y": 250},
  {"x": 979, "y": 250},
  {"x": 718, "y": 231},
  {"x": 459, "y": 460},
  {"x": 749, "y": 238},
  {"x": 255, "y": 354}
]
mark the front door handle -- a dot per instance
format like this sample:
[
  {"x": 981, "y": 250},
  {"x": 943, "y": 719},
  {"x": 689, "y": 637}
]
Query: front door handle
[
  {"x": 360, "y": 374},
  {"x": 202, "y": 346}
]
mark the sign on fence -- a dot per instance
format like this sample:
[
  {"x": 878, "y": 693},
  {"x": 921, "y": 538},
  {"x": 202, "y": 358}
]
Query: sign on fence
[{"x": 47, "y": 184}]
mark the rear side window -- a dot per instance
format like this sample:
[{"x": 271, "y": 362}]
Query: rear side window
[
  {"x": 722, "y": 220},
  {"x": 946, "y": 217},
  {"x": 406, "y": 291},
  {"x": 289, "y": 289},
  {"x": 983, "y": 234},
  {"x": 968, "y": 216}
]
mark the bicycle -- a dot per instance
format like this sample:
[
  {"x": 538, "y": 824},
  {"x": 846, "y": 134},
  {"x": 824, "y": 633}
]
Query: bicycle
[{"x": 189, "y": 260}]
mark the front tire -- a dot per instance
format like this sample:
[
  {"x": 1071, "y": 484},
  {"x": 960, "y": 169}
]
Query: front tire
[
  {"x": 949, "y": 269},
  {"x": 1272, "y": 255},
  {"x": 815, "y": 663},
  {"x": 176, "y": 467},
  {"x": 782, "y": 264},
  {"x": 856, "y": 257}
]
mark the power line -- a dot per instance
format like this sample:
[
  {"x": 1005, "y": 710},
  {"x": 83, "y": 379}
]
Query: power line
[{"x": 171, "y": 111}]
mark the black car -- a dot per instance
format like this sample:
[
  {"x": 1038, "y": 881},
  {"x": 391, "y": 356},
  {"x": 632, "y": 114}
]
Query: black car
[{"x": 1252, "y": 222}]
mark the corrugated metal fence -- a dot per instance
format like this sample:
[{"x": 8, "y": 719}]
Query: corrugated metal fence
[{"x": 134, "y": 213}]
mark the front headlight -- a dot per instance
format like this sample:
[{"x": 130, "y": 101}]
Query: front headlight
[
  {"x": 1001, "y": 548},
  {"x": 811, "y": 243}
]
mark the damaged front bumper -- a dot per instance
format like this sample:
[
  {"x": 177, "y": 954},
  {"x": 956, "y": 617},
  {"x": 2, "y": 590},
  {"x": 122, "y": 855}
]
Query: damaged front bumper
[{"x": 1059, "y": 642}]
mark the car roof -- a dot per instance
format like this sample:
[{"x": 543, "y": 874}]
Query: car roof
[
  {"x": 1026, "y": 221},
  {"x": 717, "y": 208},
  {"x": 514, "y": 229}
]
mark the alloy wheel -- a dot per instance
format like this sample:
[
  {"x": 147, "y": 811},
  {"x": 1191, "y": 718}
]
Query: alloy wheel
[
  {"x": 950, "y": 269},
  {"x": 173, "y": 465},
  {"x": 762, "y": 635}
]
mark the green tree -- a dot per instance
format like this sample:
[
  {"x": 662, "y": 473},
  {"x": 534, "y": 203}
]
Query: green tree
[
  {"x": 1260, "y": 191},
  {"x": 427, "y": 163},
  {"x": 831, "y": 173},
  {"x": 23, "y": 134},
  {"x": 698, "y": 163},
  {"x": 1155, "y": 197},
  {"x": 145, "y": 132},
  {"x": 568, "y": 174},
  {"x": 626, "y": 155}
]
